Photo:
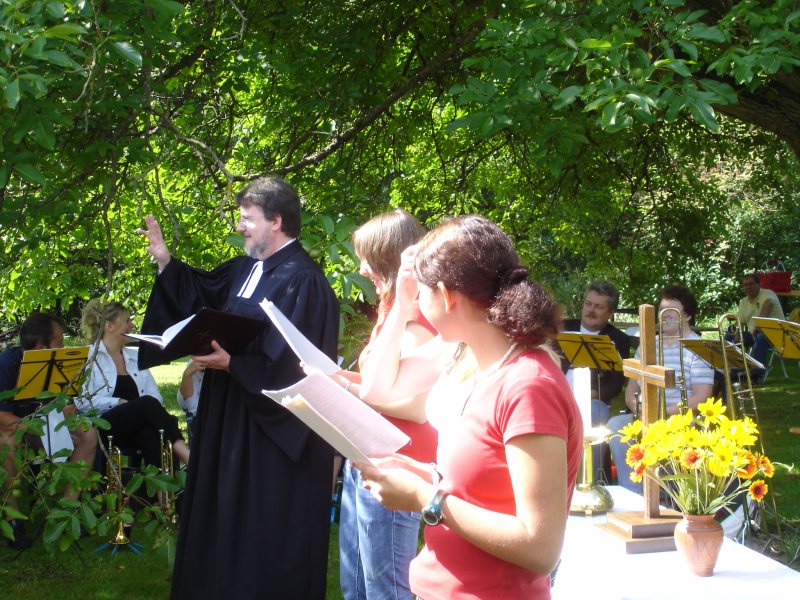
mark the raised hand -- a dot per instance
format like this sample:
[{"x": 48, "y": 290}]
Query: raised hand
[
  {"x": 156, "y": 247},
  {"x": 406, "y": 287}
]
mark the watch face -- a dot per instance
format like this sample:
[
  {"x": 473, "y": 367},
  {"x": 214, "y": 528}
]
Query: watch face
[{"x": 431, "y": 516}]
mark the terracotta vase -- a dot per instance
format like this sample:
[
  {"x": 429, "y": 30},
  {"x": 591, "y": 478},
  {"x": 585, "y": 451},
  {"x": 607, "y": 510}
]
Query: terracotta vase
[{"x": 698, "y": 539}]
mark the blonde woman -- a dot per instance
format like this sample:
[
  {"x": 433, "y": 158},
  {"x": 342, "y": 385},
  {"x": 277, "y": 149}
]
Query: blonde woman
[{"x": 123, "y": 395}]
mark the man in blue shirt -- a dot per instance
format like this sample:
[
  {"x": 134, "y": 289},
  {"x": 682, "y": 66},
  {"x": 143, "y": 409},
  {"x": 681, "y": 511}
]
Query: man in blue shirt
[{"x": 40, "y": 331}]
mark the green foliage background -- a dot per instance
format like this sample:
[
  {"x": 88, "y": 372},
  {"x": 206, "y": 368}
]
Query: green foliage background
[{"x": 641, "y": 141}]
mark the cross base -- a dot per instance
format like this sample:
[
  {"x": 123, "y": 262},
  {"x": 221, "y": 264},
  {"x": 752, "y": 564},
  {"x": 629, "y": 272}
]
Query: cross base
[{"x": 640, "y": 534}]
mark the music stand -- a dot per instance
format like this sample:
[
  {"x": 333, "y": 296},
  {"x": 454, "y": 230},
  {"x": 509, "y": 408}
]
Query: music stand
[
  {"x": 51, "y": 370},
  {"x": 584, "y": 350},
  {"x": 587, "y": 350},
  {"x": 711, "y": 353},
  {"x": 783, "y": 335}
]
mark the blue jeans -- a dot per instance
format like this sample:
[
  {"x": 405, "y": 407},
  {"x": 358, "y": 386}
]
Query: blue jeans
[
  {"x": 376, "y": 545},
  {"x": 618, "y": 451}
]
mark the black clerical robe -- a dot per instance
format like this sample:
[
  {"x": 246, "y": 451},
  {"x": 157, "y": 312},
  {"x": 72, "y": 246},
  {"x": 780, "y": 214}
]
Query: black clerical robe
[{"x": 255, "y": 518}]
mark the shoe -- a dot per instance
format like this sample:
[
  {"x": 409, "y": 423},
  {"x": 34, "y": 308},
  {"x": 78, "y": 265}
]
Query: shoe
[{"x": 21, "y": 539}]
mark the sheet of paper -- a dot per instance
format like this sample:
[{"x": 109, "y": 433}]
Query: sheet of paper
[
  {"x": 582, "y": 389},
  {"x": 349, "y": 423},
  {"x": 307, "y": 352},
  {"x": 53, "y": 440}
]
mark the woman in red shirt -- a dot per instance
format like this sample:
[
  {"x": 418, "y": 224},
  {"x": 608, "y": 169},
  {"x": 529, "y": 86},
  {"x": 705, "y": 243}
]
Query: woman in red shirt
[{"x": 510, "y": 437}]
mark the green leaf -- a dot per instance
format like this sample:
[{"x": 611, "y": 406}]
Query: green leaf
[
  {"x": 60, "y": 58},
  {"x": 703, "y": 113},
  {"x": 595, "y": 44},
  {"x": 609, "y": 117},
  {"x": 703, "y": 32},
  {"x": 567, "y": 96},
  {"x": 65, "y": 31},
  {"x": 52, "y": 532},
  {"x": 30, "y": 173},
  {"x": 56, "y": 10},
  {"x": 327, "y": 224},
  {"x": 726, "y": 93},
  {"x": 44, "y": 136},
  {"x": 689, "y": 48},
  {"x": 130, "y": 53},
  {"x": 12, "y": 93},
  {"x": 88, "y": 516}
]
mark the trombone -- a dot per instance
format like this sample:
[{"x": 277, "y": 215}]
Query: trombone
[
  {"x": 741, "y": 401},
  {"x": 680, "y": 375}
]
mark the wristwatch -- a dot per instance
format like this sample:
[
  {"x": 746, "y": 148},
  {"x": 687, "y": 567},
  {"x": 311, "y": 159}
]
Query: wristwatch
[{"x": 432, "y": 511}]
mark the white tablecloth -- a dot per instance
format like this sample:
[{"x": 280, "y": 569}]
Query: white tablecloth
[{"x": 594, "y": 565}]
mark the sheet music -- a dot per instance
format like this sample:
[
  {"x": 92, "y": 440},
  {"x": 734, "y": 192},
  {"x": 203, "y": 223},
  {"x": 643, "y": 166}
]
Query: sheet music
[
  {"x": 307, "y": 352},
  {"x": 340, "y": 418},
  {"x": 55, "y": 440}
]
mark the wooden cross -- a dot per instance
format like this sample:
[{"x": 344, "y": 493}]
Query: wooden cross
[{"x": 651, "y": 377}]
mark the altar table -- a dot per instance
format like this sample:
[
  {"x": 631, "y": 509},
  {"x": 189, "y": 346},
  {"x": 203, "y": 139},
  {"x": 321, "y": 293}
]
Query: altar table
[{"x": 594, "y": 565}]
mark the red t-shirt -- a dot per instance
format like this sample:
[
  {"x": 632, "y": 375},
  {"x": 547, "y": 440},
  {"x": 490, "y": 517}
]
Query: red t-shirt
[
  {"x": 422, "y": 446},
  {"x": 529, "y": 395}
]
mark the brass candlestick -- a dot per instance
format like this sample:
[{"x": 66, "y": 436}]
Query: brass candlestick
[{"x": 590, "y": 498}]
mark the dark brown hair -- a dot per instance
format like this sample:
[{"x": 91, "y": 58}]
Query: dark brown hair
[
  {"x": 471, "y": 255},
  {"x": 682, "y": 294},
  {"x": 275, "y": 197}
]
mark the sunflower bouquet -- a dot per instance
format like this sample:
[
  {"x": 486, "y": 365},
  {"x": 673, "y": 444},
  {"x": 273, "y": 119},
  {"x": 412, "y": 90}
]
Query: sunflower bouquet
[{"x": 703, "y": 461}]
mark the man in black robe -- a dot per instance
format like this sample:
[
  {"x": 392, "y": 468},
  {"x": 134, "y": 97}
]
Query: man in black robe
[{"x": 256, "y": 515}]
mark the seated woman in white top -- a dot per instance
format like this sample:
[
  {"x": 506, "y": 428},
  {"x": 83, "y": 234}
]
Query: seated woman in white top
[{"x": 122, "y": 394}]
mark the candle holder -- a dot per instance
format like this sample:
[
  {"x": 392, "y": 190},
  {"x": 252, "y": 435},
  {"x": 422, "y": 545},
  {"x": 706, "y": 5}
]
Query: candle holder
[{"x": 590, "y": 498}]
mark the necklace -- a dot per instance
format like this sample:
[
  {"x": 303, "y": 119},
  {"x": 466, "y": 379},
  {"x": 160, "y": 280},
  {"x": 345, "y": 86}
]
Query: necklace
[{"x": 477, "y": 378}]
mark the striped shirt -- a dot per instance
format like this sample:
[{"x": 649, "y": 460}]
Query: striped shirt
[{"x": 697, "y": 371}]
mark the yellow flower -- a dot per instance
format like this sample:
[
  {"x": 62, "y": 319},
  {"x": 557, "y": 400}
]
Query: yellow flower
[
  {"x": 710, "y": 411},
  {"x": 758, "y": 489},
  {"x": 638, "y": 472},
  {"x": 634, "y": 455},
  {"x": 631, "y": 430},
  {"x": 705, "y": 464},
  {"x": 747, "y": 467},
  {"x": 691, "y": 458},
  {"x": 766, "y": 466}
]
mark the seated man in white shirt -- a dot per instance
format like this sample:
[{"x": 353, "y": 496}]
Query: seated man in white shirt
[{"x": 758, "y": 302}]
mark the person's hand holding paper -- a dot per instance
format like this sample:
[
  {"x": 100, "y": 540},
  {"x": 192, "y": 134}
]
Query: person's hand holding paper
[{"x": 398, "y": 482}]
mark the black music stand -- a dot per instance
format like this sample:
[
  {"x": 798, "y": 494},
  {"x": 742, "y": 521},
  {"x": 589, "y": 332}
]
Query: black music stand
[{"x": 51, "y": 370}]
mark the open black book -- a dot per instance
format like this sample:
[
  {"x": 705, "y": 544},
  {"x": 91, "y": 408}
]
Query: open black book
[{"x": 193, "y": 335}]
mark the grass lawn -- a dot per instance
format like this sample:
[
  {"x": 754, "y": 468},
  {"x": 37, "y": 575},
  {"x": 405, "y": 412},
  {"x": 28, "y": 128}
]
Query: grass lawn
[{"x": 83, "y": 574}]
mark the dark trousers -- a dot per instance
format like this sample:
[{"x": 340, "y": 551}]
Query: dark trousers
[{"x": 136, "y": 424}]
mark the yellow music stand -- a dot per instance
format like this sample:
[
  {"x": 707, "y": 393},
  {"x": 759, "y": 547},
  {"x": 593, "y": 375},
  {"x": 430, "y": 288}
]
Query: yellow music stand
[
  {"x": 51, "y": 370},
  {"x": 711, "y": 352},
  {"x": 593, "y": 351},
  {"x": 584, "y": 350},
  {"x": 783, "y": 335}
]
